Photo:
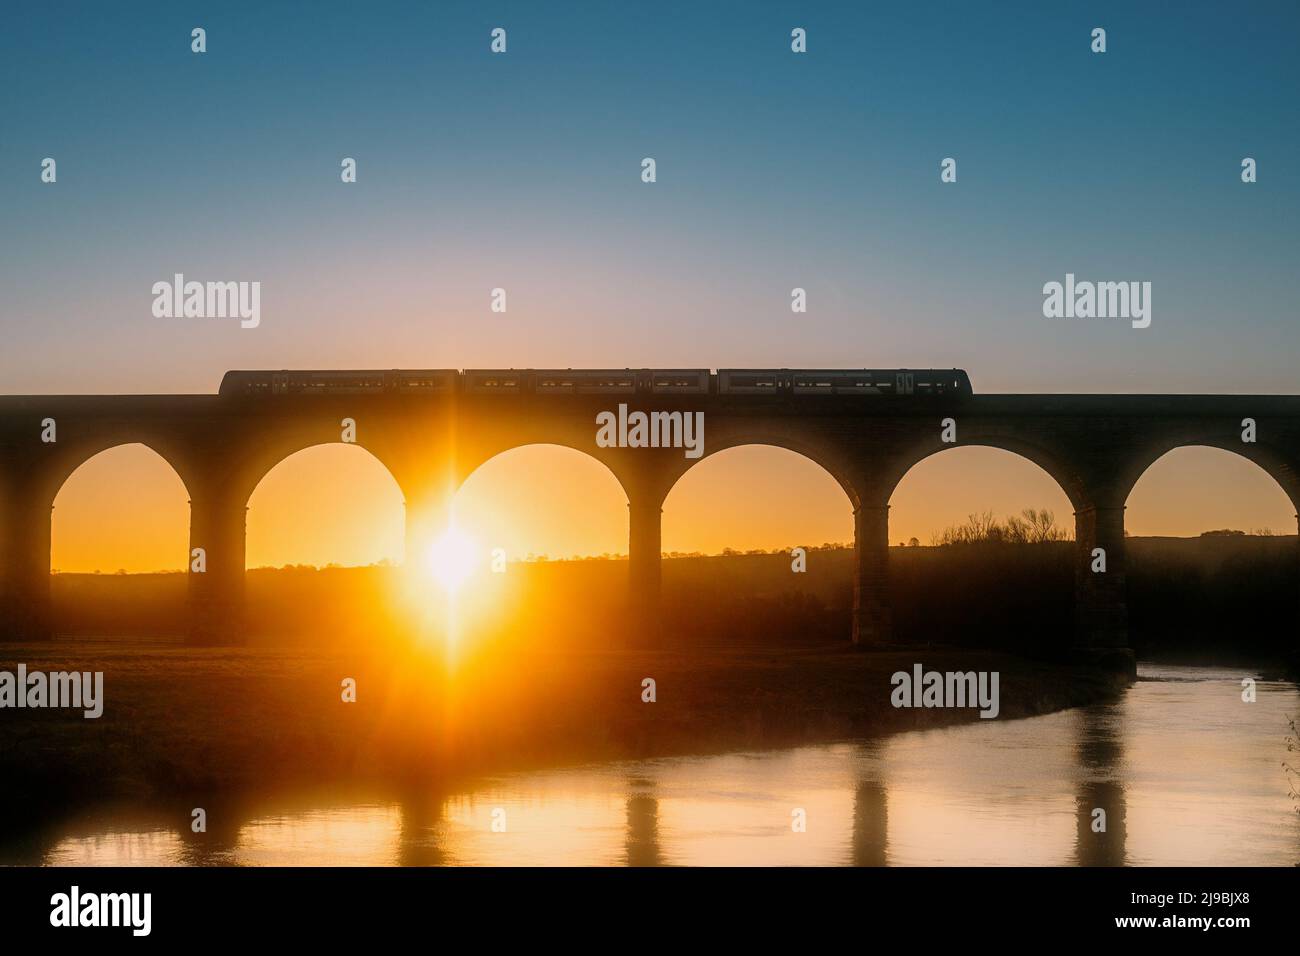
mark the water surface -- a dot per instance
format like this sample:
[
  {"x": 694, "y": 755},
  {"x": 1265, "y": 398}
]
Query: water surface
[{"x": 1186, "y": 772}]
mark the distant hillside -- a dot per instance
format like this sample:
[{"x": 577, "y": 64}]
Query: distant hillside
[{"x": 1228, "y": 596}]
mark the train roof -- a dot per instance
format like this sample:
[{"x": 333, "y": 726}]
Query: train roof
[{"x": 680, "y": 368}]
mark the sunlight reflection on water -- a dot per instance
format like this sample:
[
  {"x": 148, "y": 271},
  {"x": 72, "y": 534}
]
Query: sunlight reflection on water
[{"x": 1186, "y": 772}]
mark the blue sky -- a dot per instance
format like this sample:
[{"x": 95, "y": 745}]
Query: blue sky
[{"x": 775, "y": 170}]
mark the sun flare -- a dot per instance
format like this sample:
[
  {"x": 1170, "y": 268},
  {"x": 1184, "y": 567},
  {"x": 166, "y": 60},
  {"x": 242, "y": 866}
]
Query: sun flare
[{"x": 451, "y": 559}]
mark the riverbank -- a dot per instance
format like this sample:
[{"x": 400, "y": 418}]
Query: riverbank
[{"x": 181, "y": 720}]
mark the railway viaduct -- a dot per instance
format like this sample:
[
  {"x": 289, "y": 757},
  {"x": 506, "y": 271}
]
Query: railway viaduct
[{"x": 1095, "y": 446}]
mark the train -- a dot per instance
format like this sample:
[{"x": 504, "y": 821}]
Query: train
[{"x": 626, "y": 381}]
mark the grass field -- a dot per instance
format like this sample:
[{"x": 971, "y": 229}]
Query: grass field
[{"x": 180, "y": 719}]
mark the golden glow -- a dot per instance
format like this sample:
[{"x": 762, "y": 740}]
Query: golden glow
[
  {"x": 1208, "y": 488},
  {"x": 755, "y": 496},
  {"x": 126, "y": 508},
  {"x": 328, "y": 504},
  {"x": 452, "y": 559},
  {"x": 544, "y": 501}
]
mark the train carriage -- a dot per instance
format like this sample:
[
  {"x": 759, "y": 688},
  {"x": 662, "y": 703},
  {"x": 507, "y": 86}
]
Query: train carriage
[
  {"x": 590, "y": 381},
  {"x": 331, "y": 382},
  {"x": 799, "y": 382},
  {"x": 498, "y": 381},
  {"x": 679, "y": 381}
]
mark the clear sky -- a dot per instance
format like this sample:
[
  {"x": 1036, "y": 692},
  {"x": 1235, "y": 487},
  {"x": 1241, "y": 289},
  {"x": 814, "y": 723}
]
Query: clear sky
[{"x": 775, "y": 170}]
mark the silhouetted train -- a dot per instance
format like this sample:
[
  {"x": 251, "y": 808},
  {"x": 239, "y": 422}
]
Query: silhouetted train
[{"x": 628, "y": 381}]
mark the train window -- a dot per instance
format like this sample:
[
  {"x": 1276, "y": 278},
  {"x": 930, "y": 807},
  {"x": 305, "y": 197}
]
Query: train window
[
  {"x": 834, "y": 383},
  {"x": 754, "y": 381},
  {"x": 421, "y": 381},
  {"x": 586, "y": 382},
  {"x": 503, "y": 381},
  {"x": 685, "y": 380},
  {"x": 813, "y": 383}
]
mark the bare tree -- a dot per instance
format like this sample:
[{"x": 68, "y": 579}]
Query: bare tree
[
  {"x": 1031, "y": 526},
  {"x": 1042, "y": 526}
]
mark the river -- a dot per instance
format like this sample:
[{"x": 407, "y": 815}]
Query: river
[{"x": 1184, "y": 770}]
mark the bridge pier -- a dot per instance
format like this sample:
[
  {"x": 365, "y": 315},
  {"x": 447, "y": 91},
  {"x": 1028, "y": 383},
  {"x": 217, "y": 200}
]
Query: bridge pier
[
  {"x": 1294, "y": 643},
  {"x": 216, "y": 593},
  {"x": 1100, "y": 586},
  {"x": 25, "y": 605},
  {"x": 645, "y": 563},
  {"x": 872, "y": 617}
]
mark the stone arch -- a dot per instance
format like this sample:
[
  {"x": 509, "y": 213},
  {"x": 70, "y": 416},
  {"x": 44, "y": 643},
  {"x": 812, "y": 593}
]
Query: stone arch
[
  {"x": 1066, "y": 478},
  {"x": 1277, "y": 466},
  {"x": 255, "y": 460},
  {"x": 66, "y": 458},
  {"x": 466, "y": 468},
  {"x": 831, "y": 462}
]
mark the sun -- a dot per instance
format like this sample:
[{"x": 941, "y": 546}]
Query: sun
[{"x": 451, "y": 559}]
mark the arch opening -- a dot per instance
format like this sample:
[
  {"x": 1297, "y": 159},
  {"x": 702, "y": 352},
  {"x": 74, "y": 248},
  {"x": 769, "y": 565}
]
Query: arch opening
[
  {"x": 982, "y": 553},
  {"x": 119, "y": 540},
  {"x": 540, "y": 532},
  {"x": 758, "y": 548},
  {"x": 1212, "y": 563},
  {"x": 562, "y": 504},
  {"x": 325, "y": 530},
  {"x": 329, "y": 505}
]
